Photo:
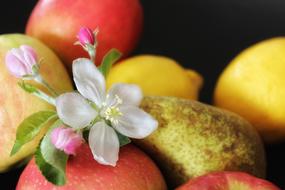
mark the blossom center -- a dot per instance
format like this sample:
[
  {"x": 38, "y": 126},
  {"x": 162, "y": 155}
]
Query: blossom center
[{"x": 112, "y": 110}]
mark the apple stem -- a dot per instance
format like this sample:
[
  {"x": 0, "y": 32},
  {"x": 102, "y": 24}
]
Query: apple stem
[{"x": 40, "y": 80}]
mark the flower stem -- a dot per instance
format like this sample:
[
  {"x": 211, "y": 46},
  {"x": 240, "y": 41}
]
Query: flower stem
[
  {"x": 92, "y": 56},
  {"x": 91, "y": 50},
  {"x": 40, "y": 94},
  {"x": 40, "y": 80},
  {"x": 29, "y": 88}
]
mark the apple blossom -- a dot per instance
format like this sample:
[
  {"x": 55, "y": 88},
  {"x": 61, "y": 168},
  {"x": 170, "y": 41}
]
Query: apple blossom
[
  {"x": 104, "y": 114},
  {"x": 22, "y": 62},
  {"x": 87, "y": 39},
  {"x": 65, "y": 139},
  {"x": 86, "y": 36}
]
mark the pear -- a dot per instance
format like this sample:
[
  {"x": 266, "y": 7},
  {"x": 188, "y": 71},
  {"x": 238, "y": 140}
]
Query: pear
[{"x": 194, "y": 139}]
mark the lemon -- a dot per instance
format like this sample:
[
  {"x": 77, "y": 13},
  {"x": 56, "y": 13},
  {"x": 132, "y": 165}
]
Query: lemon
[
  {"x": 157, "y": 75},
  {"x": 253, "y": 85}
]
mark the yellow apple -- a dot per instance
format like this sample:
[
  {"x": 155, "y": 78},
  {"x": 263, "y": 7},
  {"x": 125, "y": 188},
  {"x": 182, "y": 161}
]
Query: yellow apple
[{"x": 16, "y": 104}]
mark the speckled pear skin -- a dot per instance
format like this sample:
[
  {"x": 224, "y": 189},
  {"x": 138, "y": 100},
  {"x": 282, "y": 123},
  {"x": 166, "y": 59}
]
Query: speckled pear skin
[{"x": 194, "y": 139}]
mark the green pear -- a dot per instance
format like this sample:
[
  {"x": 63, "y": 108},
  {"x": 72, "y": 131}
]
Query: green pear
[{"x": 194, "y": 139}]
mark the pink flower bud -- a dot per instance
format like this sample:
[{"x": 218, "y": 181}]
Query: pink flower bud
[
  {"x": 86, "y": 36},
  {"x": 66, "y": 139},
  {"x": 20, "y": 61}
]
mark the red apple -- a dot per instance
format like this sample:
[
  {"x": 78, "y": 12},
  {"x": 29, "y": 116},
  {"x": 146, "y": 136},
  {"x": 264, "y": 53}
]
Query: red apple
[
  {"x": 134, "y": 171},
  {"x": 57, "y": 23},
  {"x": 228, "y": 181}
]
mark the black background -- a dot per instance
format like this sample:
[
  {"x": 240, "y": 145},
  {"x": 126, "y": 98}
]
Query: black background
[{"x": 201, "y": 34}]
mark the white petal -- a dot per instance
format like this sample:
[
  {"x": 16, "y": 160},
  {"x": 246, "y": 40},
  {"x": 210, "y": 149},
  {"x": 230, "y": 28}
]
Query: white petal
[
  {"x": 88, "y": 80},
  {"x": 74, "y": 110},
  {"x": 104, "y": 144},
  {"x": 135, "y": 123},
  {"x": 130, "y": 94}
]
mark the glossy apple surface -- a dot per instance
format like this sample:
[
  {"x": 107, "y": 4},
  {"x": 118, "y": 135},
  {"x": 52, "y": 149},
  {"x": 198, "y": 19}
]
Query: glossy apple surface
[
  {"x": 134, "y": 171},
  {"x": 228, "y": 181},
  {"x": 57, "y": 23}
]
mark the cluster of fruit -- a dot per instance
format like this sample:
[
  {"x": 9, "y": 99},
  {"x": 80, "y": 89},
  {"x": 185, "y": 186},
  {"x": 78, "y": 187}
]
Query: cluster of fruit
[{"x": 197, "y": 146}]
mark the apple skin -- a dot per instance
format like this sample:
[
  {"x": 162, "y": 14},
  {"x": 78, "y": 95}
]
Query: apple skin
[
  {"x": 228, "y": 181},
  {"x": 57, "y": 23},
  {"x": 134, "y": 171},
  {"x": 16, "y": 104}
]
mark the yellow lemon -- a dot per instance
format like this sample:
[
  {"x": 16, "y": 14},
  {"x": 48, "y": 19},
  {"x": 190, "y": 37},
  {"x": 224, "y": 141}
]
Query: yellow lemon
[
  {"x": 157, "y": 75},
  {"x": 253, "y": 85}
]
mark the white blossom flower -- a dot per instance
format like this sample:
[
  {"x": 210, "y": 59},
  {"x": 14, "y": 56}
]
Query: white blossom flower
[{"x": 103, "y": 113}]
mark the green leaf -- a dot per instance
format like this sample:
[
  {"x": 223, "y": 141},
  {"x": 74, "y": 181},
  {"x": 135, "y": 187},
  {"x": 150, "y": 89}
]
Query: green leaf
[
  {"x": 47, "y": 170},
  {"x": 30, "y": 128},
  {"x": 123, "y": 139},
  {"x": 28, "y": 87},
  {"x": 51, "y": 161},
  {"x": 109, "y": 59}
]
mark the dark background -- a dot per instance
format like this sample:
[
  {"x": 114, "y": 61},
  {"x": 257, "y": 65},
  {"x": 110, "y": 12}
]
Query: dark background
[{"x": 201, "y": 34}]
